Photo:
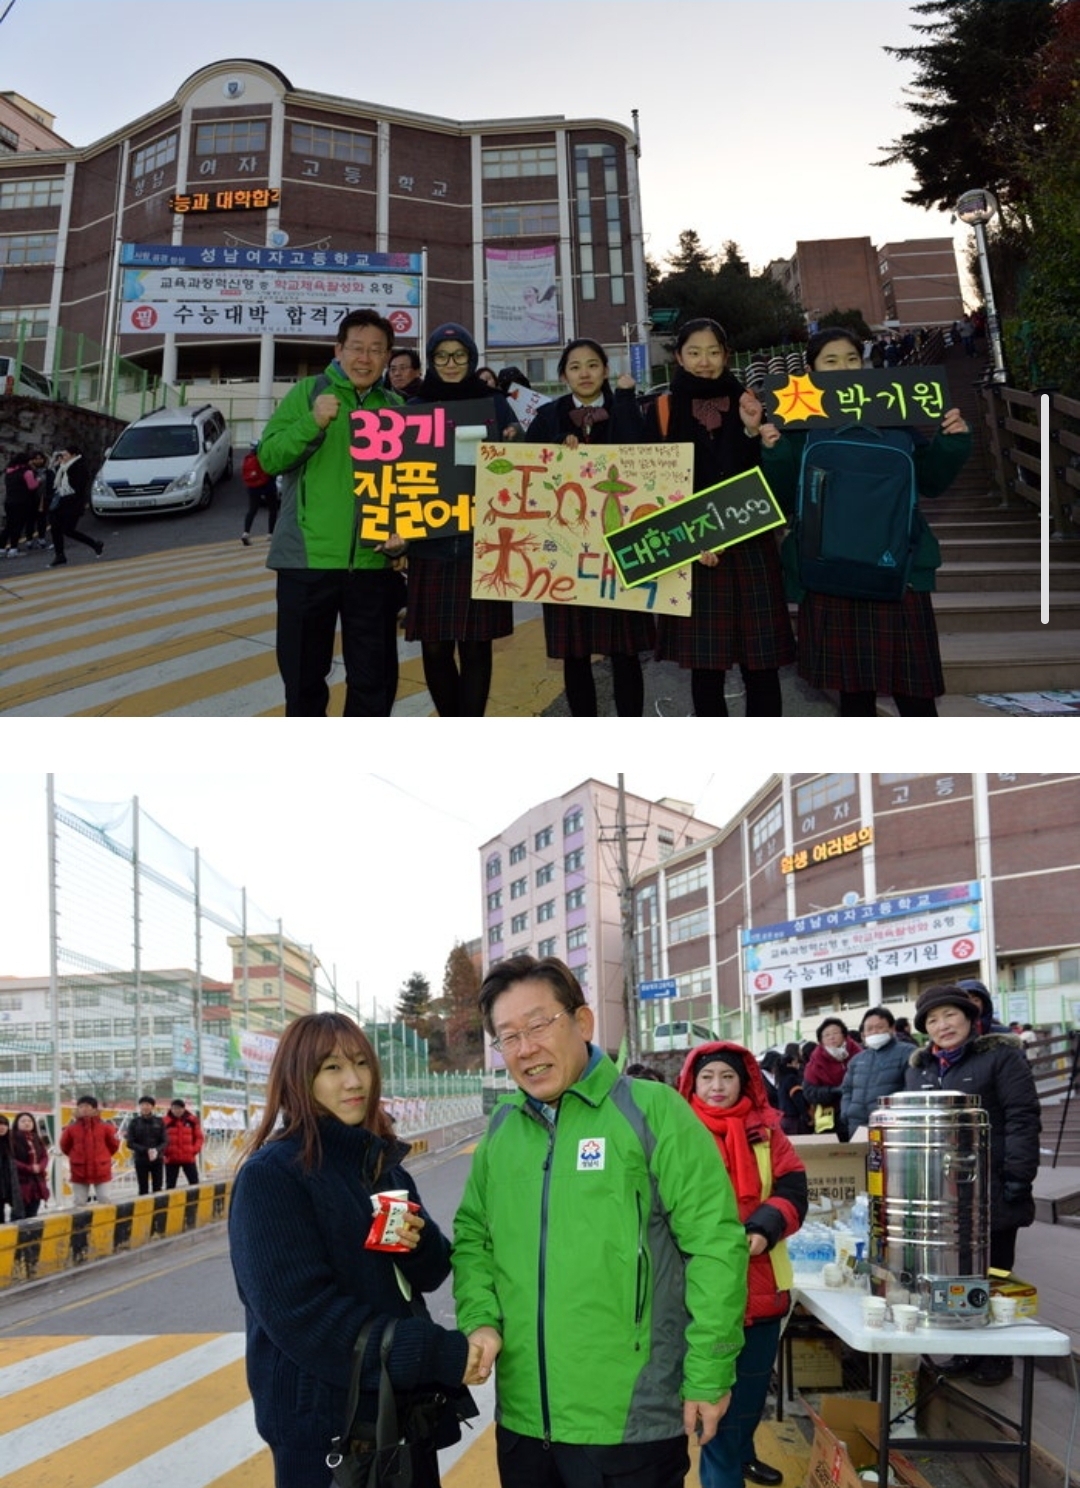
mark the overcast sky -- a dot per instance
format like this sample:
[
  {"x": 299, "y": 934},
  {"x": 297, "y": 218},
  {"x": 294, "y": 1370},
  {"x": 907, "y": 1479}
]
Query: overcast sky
[
  {"x": 364, "y": 838},
  {"x": 758, "y": 121}
]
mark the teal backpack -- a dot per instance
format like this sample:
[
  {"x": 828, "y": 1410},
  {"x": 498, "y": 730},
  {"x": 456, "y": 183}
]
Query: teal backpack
[{"x": 856, "y": 531}]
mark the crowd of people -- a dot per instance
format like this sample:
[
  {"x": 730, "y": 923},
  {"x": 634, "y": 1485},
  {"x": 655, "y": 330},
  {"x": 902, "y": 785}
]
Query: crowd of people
[
  {"x": 162, "y": 1148},
  {"x": 45, "y": 497},
  {"x": 860, "y": 647},
  {"x": 619, "y": 1251}
]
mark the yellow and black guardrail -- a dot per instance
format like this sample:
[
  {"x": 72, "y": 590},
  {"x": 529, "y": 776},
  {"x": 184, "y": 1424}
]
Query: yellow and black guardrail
[{"x": 65, "y": 1238}]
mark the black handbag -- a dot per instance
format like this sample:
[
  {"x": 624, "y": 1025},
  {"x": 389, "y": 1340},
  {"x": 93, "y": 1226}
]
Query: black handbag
[{"x": 397, "y": 1449}]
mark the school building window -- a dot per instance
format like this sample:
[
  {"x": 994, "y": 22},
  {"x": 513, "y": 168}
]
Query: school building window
[
  {"x": 767, "y": 826},
  {"x": 688, "y": 927},
  {"x": 546, "y": 911},
  {"x": 545, "y": 874},
  {"x": 576, "y": 939},
  {"x": 34, "y": 317},
  {"x": 585, "y": 200},
  {"x": 543, "y": 838},
  {"x": 320, "y": 143},
  {"x": 824, "y": 791},
  {"x": 527, "y": 219},
  {"x": 687, "y": 880},
  {"x": 575, "y": 899},
  {"x": 517, "y": 853},
  {"x": 518, "y": 160},
  {"x": 547, "y": 947},
  {"x": 494, "y": 901},
  {"x": 575, "y": 861},
  {"x": 20, "y": 249},
  {"x": 519, "y": 923},
  {"x": 152, "y": 157},
  {"x": 573, "y": 821},
  {"x": 518, "y": 888},
  {"x": 47, "y": 192},
  {"x": 493, "y": 867},
  {"x": 237, "y": 137},
  {"x": 495, "y": 935}
]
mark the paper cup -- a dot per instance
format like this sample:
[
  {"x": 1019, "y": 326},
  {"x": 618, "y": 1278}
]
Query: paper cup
[
  {"x": 873, "y": 1311},
  {"x": 832, "y": 1274},
  {"x": 905, "y": 1316},
  {"x": 1003, "y": 1309}
]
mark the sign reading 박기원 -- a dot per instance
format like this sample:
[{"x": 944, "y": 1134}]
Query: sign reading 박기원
[
  {"x": 893, "y": 395},
  {"x": 719, "y": 517},
  {"x": 542, "y": 512}
]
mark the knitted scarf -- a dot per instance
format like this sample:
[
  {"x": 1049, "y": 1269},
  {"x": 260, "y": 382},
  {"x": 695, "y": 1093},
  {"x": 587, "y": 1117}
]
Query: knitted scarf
[{"x": 728, "y": 1126}]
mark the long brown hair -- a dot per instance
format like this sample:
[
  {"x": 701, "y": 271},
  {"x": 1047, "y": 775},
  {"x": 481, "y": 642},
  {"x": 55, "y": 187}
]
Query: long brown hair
[{"x": 300, "y": 1052}]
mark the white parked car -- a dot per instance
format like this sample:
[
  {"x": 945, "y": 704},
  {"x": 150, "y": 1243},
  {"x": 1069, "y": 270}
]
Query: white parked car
[
  {"x": 681, "y": 1035},
  {"x": 169, "y": 460},
  {"x": 27, "y": 384}
]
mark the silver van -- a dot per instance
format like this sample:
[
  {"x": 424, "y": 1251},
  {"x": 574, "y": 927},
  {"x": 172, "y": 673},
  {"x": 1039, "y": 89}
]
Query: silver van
[{"x": 169, "y": 460}]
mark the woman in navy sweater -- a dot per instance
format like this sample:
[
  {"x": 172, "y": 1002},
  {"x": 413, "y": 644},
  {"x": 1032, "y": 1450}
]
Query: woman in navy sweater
[{"x": 300, "y": 1212}]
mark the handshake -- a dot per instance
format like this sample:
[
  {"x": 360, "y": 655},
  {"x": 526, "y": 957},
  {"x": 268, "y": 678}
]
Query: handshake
[{"x": 484, "y": 1345}]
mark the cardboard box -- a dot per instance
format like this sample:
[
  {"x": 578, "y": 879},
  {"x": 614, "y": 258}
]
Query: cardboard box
[
  {"x": 1005, "y": 1284},
  {"x": 835, "y": 1171},
  {"x": 845, "y": 1437},
  {"x": 816, "y": 1363}
]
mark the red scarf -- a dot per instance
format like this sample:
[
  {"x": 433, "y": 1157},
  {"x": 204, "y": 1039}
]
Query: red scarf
[{"x": 728, "y": 1126}]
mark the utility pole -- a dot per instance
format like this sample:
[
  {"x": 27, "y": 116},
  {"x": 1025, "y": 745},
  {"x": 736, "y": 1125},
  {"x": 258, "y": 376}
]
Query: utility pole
[{"x": 626, "y": 902}]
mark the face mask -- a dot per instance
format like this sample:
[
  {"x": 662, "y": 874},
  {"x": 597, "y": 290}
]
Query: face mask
[
  {"x": 839, "y": 1052},
  {"x": 877, "y": 1040}
]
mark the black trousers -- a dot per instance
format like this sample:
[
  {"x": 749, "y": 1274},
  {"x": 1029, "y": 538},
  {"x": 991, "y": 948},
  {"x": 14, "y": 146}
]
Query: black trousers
[
  {"x": 172, "y": 1173},
  {"x": 148, "y": 1175},
  {"x": 310, "y": 602},
  {"x": 527, "y": 1462}
]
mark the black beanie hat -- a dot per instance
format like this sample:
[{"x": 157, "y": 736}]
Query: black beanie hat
[
  {"x": 451, "y": 331},
  {"x": 725, "y": 1056},
  {"x": 951, "y": 996}
]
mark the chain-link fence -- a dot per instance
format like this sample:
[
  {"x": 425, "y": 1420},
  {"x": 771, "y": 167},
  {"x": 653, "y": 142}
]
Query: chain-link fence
[{"x": 168, "y": 980}]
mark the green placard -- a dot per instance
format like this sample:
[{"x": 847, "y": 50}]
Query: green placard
[{"x": 719, "y": 517}]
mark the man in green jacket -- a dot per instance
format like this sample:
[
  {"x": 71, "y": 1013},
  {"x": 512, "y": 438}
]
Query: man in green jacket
[
  {"x": 598, "y": 1253},
  {"x": 323, "y": 573}
]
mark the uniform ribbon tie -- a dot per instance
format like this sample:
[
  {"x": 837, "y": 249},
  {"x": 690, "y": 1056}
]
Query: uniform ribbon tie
[
  {"x": 710, "y": 411},
  {"x": 586, "y": 418}
]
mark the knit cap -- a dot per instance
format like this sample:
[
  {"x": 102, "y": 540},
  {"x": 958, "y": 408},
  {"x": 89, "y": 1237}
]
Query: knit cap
[
  {"x": 724, "y": 1056},
  {"x": 935, "y": 997}
]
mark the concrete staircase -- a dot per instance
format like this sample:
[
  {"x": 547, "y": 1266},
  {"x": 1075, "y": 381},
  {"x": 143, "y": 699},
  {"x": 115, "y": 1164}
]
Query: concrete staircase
[{"x": 988, "y": 587}]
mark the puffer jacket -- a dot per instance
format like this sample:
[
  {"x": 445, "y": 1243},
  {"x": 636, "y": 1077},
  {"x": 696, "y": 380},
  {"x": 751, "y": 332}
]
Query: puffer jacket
[
  {"x": 995, "y": 1068},
  {"x": 824, "y": 1074},
  {"x": 88, "y": 1143},
  {"x": 183, "y": 1138},
  {"x": 869, "y": 1076},
  {"x": 776, "y": 1214}
]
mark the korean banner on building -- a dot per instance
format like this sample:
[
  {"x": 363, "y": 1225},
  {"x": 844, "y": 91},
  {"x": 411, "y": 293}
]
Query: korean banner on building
[
  {"x": 253, "y": 318},
  {"x": 828, "y": 948},
  {"x": 522, "y": 297},
  {"x": 542, "y": 512},
  {"x": 285, "y": 287}
]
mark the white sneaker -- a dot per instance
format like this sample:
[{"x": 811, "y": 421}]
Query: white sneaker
[
  {"x": 13, "y": 553},
  {"x": 245, "y": 538}
]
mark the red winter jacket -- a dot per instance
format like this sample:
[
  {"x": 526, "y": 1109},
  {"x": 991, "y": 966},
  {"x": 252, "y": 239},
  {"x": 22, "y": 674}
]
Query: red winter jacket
[
  {"x": 783, "y": 1212},
  {"x": 183, "y": 1138},
  {"x": 89, "y": 1143}
]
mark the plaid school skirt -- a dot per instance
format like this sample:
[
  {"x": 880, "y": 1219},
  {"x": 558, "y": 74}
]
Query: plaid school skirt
[
  {"x": 859, "y": 645},
  {"x": 441, "y": 608},
  {"x": 738, "y": 613},
  {"x": 582, "y": 630}
]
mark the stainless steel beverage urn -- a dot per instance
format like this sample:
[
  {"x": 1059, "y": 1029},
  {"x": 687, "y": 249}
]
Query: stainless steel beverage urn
[{"x": 928, "y": 1178}]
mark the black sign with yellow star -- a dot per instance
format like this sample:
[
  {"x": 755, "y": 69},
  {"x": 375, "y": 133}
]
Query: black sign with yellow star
[{"x": 890, "y": 396}]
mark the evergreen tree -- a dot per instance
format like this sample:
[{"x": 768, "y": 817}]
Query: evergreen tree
[
  {"x": 414, "y": 1002},
  {"x": 971, "y": 96}
]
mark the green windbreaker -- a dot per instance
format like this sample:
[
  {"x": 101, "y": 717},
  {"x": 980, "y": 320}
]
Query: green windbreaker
[{"x": 607, "y": 1251}]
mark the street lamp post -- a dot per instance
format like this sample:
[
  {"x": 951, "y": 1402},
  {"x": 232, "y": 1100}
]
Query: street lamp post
[{"x": 976, "y": 208}]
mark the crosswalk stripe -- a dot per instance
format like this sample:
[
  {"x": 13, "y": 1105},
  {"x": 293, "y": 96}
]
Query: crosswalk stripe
[
  {"x": 119, "y": 1388},
  {"x": 191, "y": 632},
  {"x": 202, "y": 1457}
]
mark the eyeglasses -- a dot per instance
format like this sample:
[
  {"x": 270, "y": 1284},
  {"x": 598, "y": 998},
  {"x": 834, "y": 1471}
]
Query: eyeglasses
[
  {"x": 448, "y": 358},
  {"x": 509, "y": 1043}
]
